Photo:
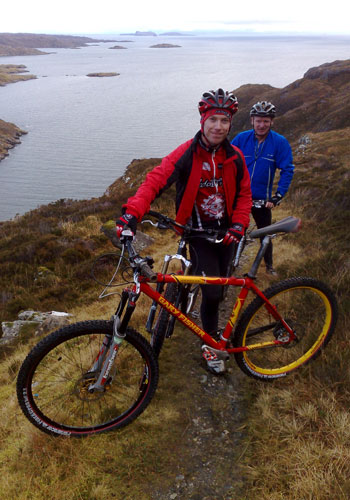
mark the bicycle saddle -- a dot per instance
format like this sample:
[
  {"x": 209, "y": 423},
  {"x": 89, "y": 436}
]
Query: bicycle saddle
[{"x": 287, "y": 225}]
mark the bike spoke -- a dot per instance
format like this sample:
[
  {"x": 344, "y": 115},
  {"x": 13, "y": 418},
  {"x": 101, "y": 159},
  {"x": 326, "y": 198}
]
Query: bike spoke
[
  {"x": 307, "y": 307},
  {"x": 55, "y": 389}
]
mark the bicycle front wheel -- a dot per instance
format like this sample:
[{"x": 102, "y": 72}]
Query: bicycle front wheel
[
  {"x": 53, "y": 382},
  {"x": 307, "y": 306}
]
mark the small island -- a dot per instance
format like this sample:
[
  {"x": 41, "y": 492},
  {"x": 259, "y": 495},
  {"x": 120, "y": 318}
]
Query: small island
[
  {"x": 102, "y": 74},
  {"x": 164, "y": 46},
  {"x": 117, "y": 47}
]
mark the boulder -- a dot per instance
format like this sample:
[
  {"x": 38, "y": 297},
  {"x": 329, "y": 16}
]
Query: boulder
[{"x": 33, "y": 323}]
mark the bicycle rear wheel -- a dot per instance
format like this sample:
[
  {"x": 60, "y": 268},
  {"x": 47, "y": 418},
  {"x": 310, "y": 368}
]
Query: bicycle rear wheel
[
  {"x": 160, "y": 329},
  {"x": 308, "y": 306},
  {"x": 52, "y": 385}
]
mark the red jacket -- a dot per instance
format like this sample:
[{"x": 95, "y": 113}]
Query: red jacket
[{"x": 184, "y": 166}]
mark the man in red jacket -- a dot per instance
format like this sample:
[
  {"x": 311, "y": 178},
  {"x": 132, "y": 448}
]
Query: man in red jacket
[{"x": 212, "y": 192}]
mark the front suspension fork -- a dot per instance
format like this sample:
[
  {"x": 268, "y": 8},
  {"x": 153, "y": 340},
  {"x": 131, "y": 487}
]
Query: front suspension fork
[{"x": 111, "y": 344}]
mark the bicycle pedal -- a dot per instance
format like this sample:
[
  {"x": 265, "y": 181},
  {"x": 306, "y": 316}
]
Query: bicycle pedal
[
  {"x": 214, "y": 353},
  {"x": 214, "y": 364}
]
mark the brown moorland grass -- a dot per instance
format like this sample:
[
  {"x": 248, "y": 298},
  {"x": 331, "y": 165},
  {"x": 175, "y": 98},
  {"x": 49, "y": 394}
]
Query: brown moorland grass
[{"x": 295, "y": 436}]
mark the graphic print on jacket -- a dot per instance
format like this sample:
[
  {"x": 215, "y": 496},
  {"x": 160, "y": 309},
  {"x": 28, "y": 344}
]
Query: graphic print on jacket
[{"x": 210, "y": 200}]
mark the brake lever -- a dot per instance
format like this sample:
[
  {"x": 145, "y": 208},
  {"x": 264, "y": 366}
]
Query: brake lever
[
  {"x": 215, "y": 240},
  {"x": 155, "y": 224},
  {"x": 159, "y": 224}
]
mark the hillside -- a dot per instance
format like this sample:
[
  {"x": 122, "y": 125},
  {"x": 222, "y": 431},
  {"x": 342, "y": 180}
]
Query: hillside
[
  {"x": 202, "y": 437},
  {"x": 318, "y": 102}
]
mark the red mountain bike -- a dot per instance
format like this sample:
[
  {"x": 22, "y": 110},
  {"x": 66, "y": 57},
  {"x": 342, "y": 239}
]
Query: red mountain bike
[{"x": 97, "y": 376}]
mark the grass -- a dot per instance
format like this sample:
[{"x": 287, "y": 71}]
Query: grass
[
  {"x": 124, "y": 464},
  {"x": 295, "y": 432}
]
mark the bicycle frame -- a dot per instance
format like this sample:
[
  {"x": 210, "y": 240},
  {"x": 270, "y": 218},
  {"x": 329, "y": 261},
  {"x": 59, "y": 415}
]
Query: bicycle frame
[
  {"x": 222, "y": 347},
  {"x": 246, "y": 285}
]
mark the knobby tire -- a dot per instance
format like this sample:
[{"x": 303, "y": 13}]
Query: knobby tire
[
  {"x": 53, "y": 381},
  {"x": 308, "y": 306}
]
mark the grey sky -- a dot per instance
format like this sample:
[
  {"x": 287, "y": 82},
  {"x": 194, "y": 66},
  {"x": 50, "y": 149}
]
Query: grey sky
[{"x": 117, "y": 16}]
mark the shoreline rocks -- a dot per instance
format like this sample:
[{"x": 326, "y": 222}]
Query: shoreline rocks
[{"x": 9, "y": 137}]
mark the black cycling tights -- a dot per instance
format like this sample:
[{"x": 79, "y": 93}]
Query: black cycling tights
[{"x": 210, "y": 259}]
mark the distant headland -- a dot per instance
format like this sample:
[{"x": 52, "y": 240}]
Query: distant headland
[{"x": 24, "y": 44}]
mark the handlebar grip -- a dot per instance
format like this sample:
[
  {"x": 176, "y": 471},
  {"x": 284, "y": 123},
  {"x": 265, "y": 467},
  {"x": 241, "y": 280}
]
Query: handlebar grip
[{"x": 148, "y": 272}]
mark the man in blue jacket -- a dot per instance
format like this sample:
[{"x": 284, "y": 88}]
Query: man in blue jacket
[{"x": 265, "y": 151}]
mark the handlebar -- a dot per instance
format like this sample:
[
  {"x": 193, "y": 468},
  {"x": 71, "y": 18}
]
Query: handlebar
[
  {"x": 259, "y": 203},
  {"x": 188, "y": 232}
]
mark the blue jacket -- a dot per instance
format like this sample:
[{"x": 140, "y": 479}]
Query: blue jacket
[{"x": 262, "y": 161}]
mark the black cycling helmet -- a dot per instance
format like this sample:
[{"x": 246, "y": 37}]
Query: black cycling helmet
[
  {"x": 263, "y": 108},
  {"x": 218, "y": 99}
]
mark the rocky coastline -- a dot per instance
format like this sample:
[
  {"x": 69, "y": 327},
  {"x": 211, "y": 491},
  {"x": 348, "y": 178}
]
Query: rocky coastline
[{"x": 9, "y": 137}]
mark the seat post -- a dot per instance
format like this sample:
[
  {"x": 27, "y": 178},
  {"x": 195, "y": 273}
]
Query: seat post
[{"x": 260, "y": 255}]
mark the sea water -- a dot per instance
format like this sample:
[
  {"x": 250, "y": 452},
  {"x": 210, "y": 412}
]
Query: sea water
[{"x": 83, "y": 132}]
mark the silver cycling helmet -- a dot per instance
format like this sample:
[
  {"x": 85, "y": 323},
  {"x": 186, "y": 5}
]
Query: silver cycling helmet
[
  {"x": 263, "y": 108},
  {"x": 218, "y": 99}
]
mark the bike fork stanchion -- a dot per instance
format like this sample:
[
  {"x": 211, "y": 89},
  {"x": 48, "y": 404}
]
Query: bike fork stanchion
[
  {"x": 111, "y": 355},
  {"x": 119, "y": 329}
]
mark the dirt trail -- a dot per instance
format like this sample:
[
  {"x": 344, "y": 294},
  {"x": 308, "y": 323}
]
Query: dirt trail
[{"x": 209, "y": 456}]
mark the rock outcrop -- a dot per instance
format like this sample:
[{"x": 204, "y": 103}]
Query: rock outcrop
[
  {"x": 9, "y": 136},
  {"x": 32, "y": 323}
]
